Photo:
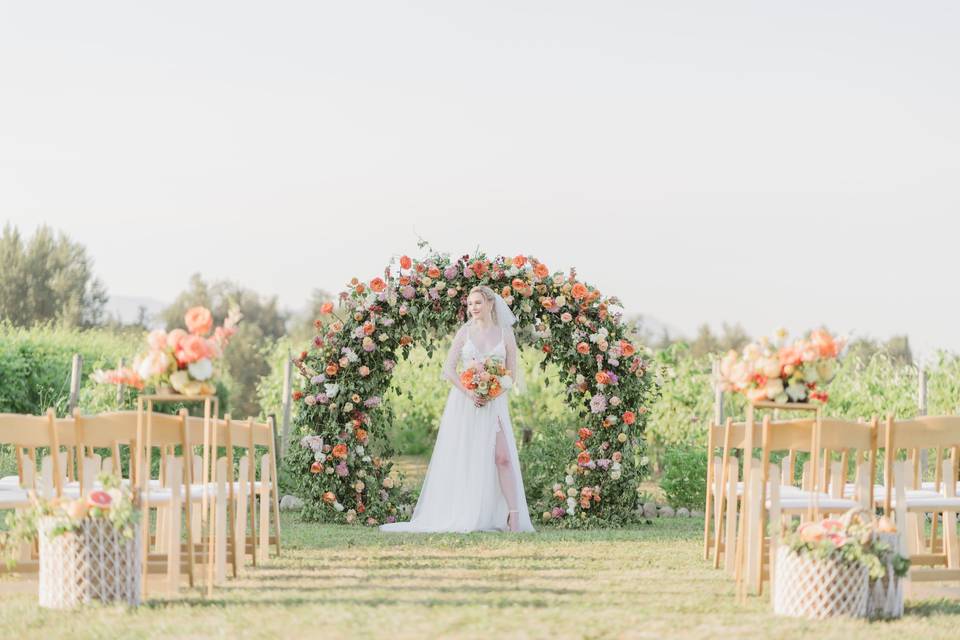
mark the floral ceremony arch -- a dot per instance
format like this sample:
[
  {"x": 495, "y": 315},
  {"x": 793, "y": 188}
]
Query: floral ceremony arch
[{"x": 342, "y": 466}]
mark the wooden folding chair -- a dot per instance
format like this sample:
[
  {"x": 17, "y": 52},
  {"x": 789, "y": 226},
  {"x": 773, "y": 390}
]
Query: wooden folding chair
[
  {"x": 908, "y": 501},
  {"x": 29, "y": 435}
]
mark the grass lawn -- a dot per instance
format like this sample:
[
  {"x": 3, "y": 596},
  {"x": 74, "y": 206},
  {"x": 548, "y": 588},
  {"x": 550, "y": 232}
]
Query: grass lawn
[{"x": 338, "y": 581}]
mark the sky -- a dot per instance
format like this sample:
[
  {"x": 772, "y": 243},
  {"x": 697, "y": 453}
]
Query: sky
[{"x": 769, "y": 163}]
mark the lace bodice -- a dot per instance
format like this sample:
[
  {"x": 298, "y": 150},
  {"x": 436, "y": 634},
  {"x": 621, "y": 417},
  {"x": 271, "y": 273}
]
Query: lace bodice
[{"x": 471, "y": 352}]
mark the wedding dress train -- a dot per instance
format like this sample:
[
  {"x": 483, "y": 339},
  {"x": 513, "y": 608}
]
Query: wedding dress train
[{"x": 462, "y": 488}]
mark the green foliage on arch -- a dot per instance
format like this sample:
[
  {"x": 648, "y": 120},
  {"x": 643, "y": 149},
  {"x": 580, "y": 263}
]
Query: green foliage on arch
[{"x": 342, "y": 467}]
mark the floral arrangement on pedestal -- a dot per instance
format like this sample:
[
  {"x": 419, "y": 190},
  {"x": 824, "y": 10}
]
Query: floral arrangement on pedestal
[
  {"x": 343, "y": 468},
  {"x": 783, "y": 372},
  {"x": 113, "y": 501},
  {"x": 183, "y": 360}
]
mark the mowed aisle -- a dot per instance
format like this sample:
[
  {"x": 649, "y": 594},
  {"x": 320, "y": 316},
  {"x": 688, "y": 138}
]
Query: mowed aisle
[{"x": 340, "y": 581}]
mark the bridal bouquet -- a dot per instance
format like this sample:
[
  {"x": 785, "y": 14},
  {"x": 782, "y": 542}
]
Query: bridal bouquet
[
  {"x": 488, "y": 379},
  {"x": 782, "y": 372},
  {"x": 184, "y": 360}
]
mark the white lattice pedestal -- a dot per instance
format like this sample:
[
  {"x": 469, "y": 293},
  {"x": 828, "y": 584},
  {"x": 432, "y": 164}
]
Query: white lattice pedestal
[
  {"x": 95, "y": 563},
  {"x": 810, "y": 588},
  {"x": 886, "y": 594}
]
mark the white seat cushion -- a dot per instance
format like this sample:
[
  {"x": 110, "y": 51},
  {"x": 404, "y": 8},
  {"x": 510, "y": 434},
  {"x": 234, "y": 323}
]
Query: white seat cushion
[
  {"x": 14, "y": 498},
  {"x": 804, "y": 500}
]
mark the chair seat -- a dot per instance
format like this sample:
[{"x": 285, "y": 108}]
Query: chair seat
[
  {"x": 804, "y": 500},
  {"x": 932, "y": 486},
  {"x": 928, "y": 500},
  {"x": 14, "y": 498},
  {"x": 9, "y": 481},
  {"x": 785, "y": 489}
]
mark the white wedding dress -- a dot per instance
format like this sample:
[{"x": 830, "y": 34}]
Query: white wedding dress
[{"x": 461, "y": 490}]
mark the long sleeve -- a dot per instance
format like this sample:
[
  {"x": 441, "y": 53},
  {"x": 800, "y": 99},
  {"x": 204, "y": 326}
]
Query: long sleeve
[
  {"x": 510, "y": 342},
  {"x": 453, "y": 357},
  {"x": 513, "y": 363}
]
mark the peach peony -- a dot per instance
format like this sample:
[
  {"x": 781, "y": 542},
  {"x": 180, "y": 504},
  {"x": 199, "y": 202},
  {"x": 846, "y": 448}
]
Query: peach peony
[
  {"x": 199, "y": 321},
  {"x": 326, "y": 308},
  {"x": 377, "y": 285},
  {"x": 433, "y": 271},
  {"x": 583, "y": 348},
  {"x": 579, "y": 291},
  {"x": 629, "y": 417},
  {"x": 405, "y": 262},
  {"x": 340, "y": 451},
  {"x": 519, "y": 261},
  {"x": 329, "y": 497},
  {"x": 541, "y": 270}
]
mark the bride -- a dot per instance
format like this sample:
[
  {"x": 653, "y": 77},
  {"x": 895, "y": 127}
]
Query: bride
[{"x": 473, "y": 481}]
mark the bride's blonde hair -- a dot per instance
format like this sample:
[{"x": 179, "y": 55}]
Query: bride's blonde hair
[{"x": 489, "y": 296}]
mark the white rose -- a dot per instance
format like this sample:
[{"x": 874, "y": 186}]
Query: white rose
[
  {"x": 570, "y": 511},
  {"x": 331, "y": 390},
  {"x": 569, "y": 479},
  {"x": 572, "y": 492},
  {"x": 328, "y": 470},
  {"x": 796, "y": 391},
  {"x": 338, "y": 506},
  {"x": 360, "y": 450},
  {"x": 201, "y": 369},
  {"x": 615, "y": 475},
  {"x": 347, "y": 408},
  {"x": 571, "y": 502}
]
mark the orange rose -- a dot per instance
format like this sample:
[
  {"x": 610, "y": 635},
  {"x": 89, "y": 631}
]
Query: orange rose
[
  {"x": 629, "y": 417},
  {"x": 433, "y": 272},
  {"x": 405, "y": 262},
  {"x": 405, "y": 340},
  {"x": 583, "y": 348},
  {"x": 316, "y": 467},
  {"x": 360, "y": 434},
  {"x": 627, "y": 348},
  {"x": 583, "y": 457},
  {"x": 546, "y": 303},
  {"x": 377, "y": 285},
  {"x": 329, "y": 497},
  {"x": 518, "y": 284},
  {"x": 593, "y": 295},
  {"x": 404, "y": 281},
  {"x": 579, "y": 445},
  {"x": 584, "y": 433},
  {"x": 199, "y": 321},
  {"x": 519, "y": 261},
  {"x": 361, "y": 288},
  {"x": 540, "y": 270},
  {"x": 340, "y": 451},
  {"x": 326, "y": 308},
  {"x": 332, "y": 369},
  {"x": 466, "y": 379},
  {"x": 368, "y": 328},
  {"x": 602, "y": 377},
  {"x": 579, "y": 291}
]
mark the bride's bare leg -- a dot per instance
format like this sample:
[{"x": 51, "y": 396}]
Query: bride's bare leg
[{"x": 507, "y": 483}]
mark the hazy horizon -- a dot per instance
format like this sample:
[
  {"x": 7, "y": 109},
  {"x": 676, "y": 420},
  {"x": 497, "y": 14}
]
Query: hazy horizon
[{"x": 768, "y": 164}]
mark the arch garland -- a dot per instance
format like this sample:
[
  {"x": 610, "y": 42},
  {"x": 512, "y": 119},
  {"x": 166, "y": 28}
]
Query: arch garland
[{"x": 342, "y": 466}]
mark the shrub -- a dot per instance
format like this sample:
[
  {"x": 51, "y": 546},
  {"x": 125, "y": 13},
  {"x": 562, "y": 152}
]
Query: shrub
[{"x": 684, "y": 476}]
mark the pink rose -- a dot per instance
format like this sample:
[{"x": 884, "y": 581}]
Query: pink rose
[
  {"x": 175, "y": 337},
  {"x": 191, "y": 349}
]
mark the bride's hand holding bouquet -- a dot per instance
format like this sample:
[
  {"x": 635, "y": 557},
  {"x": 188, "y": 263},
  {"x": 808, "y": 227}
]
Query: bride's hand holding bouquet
[{"x": 484, "y": 381}]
